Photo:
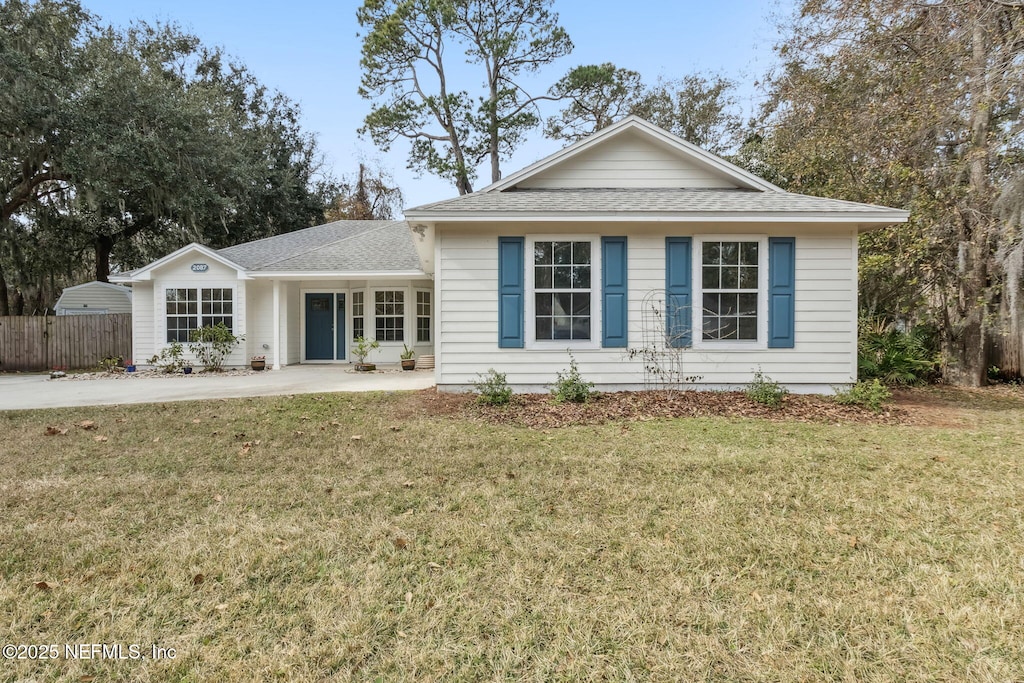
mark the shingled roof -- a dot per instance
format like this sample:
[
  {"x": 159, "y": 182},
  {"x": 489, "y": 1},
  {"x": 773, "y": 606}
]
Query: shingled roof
[
  {"x": 342, "y": 246},
  {"x": 672, "y": 201}
]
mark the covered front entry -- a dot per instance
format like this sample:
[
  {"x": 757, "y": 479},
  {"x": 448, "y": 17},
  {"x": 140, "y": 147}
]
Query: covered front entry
[{"x": 325, "y": 326}]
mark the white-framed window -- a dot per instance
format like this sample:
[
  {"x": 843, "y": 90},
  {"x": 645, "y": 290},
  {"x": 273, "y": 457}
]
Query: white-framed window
[
  {"x": 563, "y": 298},
  {"x": 358, "y": 314},
  {"x": 422, "y": 316},
  {"x": 389, "y": 315},
  {"x": 190, "y": 308},
  {"x": 731, "y": 276}
]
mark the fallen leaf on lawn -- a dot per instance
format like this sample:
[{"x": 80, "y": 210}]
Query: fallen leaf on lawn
[
  {"x": 434, "y": 566},
  {"x": 155, "y": 439},
  {"x": 401, "y": 634},
  {"x": 756, "y": 596},
  {"x": 408, "y": 598},
  {"x": 44, "y": 586},
  {"x": 100, "y": 437},
  {"x": 198, "y": 579},
  {"x": 87, "y": 424},
  {"x": 86, "y": 679},
  {"x": 939, "y": 458},
  {"x": 335, "y": 423},
  {"x": 217, "y": 497},
  {"x": 299, "y": 433},
  {"x": 400, "y": 542},
  {"x": 357, "y": 437},
  {"x": 831, "y": 530},
  {"x": 407, "y": 484},
  {"x": 431, "y": 603},
  {"x": 196, "y": 421},
  {"x": 121, "y": 420},
  {"x": 395, "y": 428},
  {"x": 55, "y": 431},
  {"x": 246, "y": 447},
  {"x": 329, "y": 489},
  {"x": 221, "y": 607},
  {"x": 853, "y": 541},
  {"x": 303, "y": 417}
]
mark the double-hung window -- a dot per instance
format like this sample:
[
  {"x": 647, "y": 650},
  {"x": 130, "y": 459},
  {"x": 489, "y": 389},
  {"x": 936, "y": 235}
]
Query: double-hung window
[
  {"x": 358, "y": 315},
  {"x": 730, "y": 277},
  {"x": 562, "y": 290},
  {"x": 188, "y": 309},
  {"x": 422, "y": 316},
  {"x": 389, "y": 308}
]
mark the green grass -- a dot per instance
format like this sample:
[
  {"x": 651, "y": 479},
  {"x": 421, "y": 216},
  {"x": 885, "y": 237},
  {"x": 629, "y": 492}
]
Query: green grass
[{"x": 702, "y": 549}]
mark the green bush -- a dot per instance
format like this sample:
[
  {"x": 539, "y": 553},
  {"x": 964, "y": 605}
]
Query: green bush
[
  {"x": 871, "y": 395},
  {"x": 492, "y": 389},
  {"x": 766, "y": 391},
  {"x": 894, "y": 356},
  {"x": 571, "y": 387},
  {"x": 212, "y": 344},
  {"x": 169, "y": 359}
]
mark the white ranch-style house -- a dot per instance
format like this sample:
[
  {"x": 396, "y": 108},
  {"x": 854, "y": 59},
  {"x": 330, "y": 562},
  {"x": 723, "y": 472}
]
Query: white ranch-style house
[{"x": 627, "y": 246}]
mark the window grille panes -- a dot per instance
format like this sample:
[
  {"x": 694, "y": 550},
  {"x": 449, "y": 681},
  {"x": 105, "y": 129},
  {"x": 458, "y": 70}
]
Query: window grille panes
[
  {"x": 562, "y": 290},
  {"x": 217, "y": 307},
  {"x": 729, "y": 280},
  {"x": 182, "y": 314},
  {"x": 358, "y": 326},
  {"x": 389, "y": 310},
  {"x": 423, "y": 317}
]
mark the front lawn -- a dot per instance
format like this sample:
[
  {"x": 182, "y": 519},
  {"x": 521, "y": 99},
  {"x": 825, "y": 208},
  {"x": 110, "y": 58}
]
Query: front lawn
[{"x": 392, "y": 537}]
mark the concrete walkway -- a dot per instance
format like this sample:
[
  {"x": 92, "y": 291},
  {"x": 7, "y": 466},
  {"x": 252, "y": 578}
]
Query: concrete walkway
[{"x": 19, "y": 392}]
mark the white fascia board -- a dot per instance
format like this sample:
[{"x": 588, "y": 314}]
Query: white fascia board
[
  {"x": 880, "y": 218},
  {"x": 339, "y": 275},
  {"x": 145, "y": 272}
]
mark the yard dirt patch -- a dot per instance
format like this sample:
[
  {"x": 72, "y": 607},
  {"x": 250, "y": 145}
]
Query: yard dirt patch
[{"x": 929, "y": 406}]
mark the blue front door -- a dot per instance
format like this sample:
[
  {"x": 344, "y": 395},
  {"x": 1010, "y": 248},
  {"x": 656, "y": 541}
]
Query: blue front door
[{"x": 319, "y": 326}]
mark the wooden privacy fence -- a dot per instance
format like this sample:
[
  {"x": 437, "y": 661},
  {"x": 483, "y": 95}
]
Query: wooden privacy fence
[{"x": 32, "y": 343}]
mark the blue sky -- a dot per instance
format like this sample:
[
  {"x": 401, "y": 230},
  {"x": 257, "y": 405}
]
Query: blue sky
[{"x": 309, "y": 50}]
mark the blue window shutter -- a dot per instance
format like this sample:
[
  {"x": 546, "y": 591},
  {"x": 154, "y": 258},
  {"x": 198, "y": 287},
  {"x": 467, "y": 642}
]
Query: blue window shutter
[
  {"x": 781, "y": 292},
  {"x": 678, "y": 291},
  {"x": 511, "y": 273},
  {"x": 614, "y": 300}
]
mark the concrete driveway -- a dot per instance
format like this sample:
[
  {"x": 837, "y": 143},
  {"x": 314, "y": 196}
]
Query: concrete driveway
[{"x": 18, "y": 392}]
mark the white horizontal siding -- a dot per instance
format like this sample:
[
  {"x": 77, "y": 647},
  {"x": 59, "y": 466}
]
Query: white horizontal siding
[
  {"x": 628, "y": 160},
  {"x": 825, "y": 311},
  {"x": 142, "y": 322}
]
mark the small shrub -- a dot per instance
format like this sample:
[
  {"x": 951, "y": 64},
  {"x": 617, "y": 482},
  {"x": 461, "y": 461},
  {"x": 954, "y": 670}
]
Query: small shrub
[
  {"x": 111, "y": 364},
  {"x": 212, "y": 344},
  {"x": 895, "y": 356},
  {"x": 169, "y": 360},
  {"x": 362, "y": 349},
  {"x": 766, "y": 391},
  {"x": 571, "y": 387},
  {"x": 872, "y": 395},
  {"x": 492, "y": 389}
]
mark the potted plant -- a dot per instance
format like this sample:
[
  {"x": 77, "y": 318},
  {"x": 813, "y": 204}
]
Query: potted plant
[
  {"x": 361, "y": 350},
  {"x": 129, "y": 365},
  {"x": 258, "y": 362},
  {"x": 408, "y": 362},
  {"x": 187, "y": 368}
]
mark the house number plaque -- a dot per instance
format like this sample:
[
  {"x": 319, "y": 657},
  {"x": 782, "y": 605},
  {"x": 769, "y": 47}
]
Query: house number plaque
[{"x": 200, "y": 267}]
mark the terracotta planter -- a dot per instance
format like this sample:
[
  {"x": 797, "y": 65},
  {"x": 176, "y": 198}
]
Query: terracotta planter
[
  {"x": 408, "y": 363},
  {"x": 258, "y": 364},
  {"x": 365, "y": 367}
]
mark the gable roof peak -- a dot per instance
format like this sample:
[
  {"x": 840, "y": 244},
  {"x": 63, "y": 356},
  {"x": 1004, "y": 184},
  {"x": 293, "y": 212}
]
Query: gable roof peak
[{"x": 634, "y": 124}]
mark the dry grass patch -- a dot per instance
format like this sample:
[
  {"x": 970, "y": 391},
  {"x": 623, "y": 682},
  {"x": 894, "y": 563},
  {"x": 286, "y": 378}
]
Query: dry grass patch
[{"x": 435, "y": 547}]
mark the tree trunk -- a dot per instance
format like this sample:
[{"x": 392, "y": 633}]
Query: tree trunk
[
  {"x": 968, "y": 366},
  {"x": 104, "y": 246},
  {"x": 5, "y": 308}
]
